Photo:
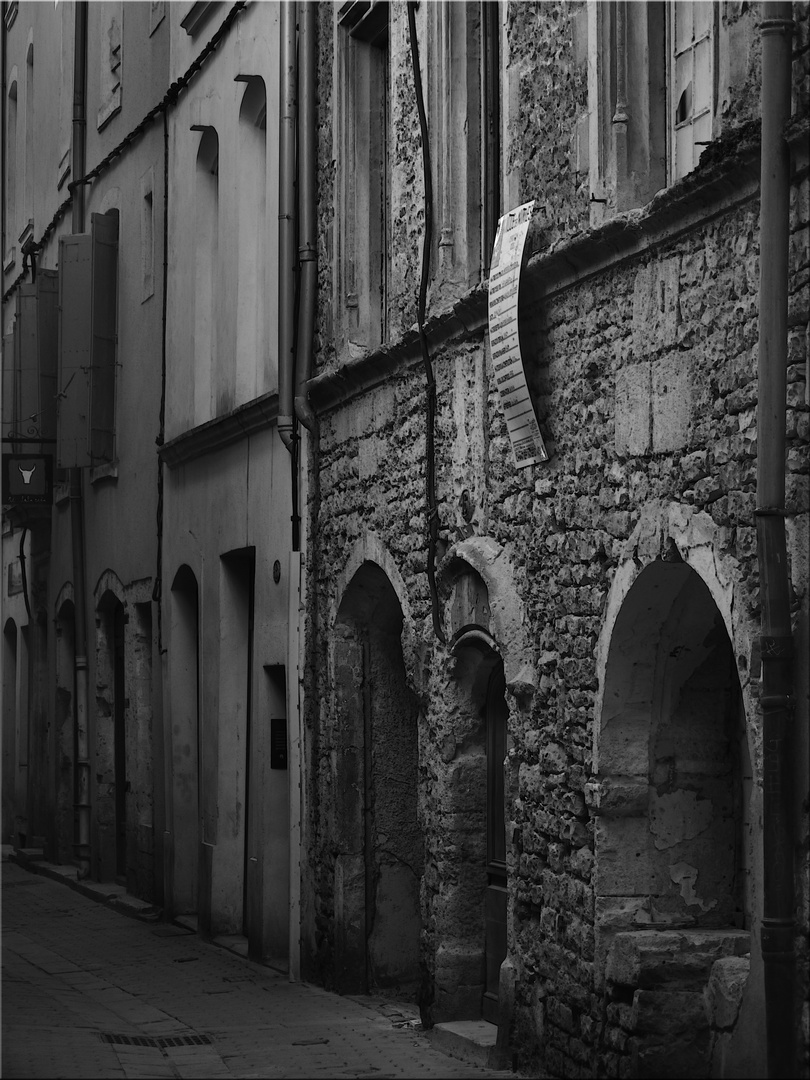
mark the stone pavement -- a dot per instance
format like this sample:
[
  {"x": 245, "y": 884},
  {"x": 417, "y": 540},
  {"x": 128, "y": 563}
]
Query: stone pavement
[{"x": 89, "y": 992}]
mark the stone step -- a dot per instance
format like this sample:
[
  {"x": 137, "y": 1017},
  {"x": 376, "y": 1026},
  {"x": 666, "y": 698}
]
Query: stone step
[{"x": 472, "y": 1041}]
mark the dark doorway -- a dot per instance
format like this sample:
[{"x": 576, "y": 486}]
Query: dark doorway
[
  {"x": 380, "y": 858},
  {"x": 120, "y": 744},
  {"x": 184, "y": 690},
  {"x": 497, "y": 714}
]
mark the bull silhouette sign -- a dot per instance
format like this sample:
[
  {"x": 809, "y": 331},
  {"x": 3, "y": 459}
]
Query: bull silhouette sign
[{"x": 27, "y": 479}]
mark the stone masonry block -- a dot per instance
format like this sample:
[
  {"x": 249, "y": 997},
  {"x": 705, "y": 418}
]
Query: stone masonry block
[
  {"x": 668, "y": 1013},
  {"x": 656, "y": 308},
  {"x": 724, "y": 993},
  {"x": 633, "y": 426},
  {"x": 671, "y": 401},
  {"x": 651, "y": 959}
]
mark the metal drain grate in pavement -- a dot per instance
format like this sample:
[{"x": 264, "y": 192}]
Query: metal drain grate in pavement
[{"x": 160, "y": 1041}]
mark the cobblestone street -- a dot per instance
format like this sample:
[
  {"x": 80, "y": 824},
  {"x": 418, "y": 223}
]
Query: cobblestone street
[{"x": 90, "y": 992}]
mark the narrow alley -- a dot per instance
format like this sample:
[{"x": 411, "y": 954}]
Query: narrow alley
[{"x": 90, "y": 992}]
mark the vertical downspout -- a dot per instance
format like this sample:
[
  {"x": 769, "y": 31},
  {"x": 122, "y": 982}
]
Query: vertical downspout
[
  {"x": 286, "y": 225},
  {"x": 308, "y": 238},
  {"x": 3, "y": 146},
  {"x": 308, "y": 269},
  {"x": 76, "y": 504},
  {"x": 776, "y": 641}
]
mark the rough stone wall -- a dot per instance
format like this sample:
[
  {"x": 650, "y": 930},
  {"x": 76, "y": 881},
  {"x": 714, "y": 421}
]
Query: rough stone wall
[
  {"x": 548, "y": 61},
  {"x": 644, "y": 377}
]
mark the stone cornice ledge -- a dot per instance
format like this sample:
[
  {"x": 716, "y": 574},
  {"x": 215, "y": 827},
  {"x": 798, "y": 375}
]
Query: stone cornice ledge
[
  {"x": 728, "y": 176},
  {"x": 466, "y": 319},
  {"x": 215, "y": 434}
]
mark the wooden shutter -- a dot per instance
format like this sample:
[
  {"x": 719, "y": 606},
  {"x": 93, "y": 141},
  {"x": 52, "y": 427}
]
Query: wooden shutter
[
  {"x": 104, "y": 237},
  {"x": 73, "y": 401},
  {"x": 35, "y": 359},
  {"x": 88, "y": 291}
]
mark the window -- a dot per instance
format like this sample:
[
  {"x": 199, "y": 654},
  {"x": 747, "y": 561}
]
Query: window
[
  {"x": 491, "y": 134},
  {"x": 363, "y": 110},
  {"x": 157, "y": 11},
  {"x": 691, "y": 82},
  {"x": 252, "y": 345},
  {"x": 147, "y": 235},
  {"x": 464, "y": 126},
  {"x": 28, "y": 189},
  {"x": 206, "y": 228},
  {"x": 652, "y": 98},
  {"x": 110, "y": 25}
]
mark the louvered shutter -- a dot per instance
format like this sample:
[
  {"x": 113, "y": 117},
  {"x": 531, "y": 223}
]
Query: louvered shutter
[
  {"x": 73, "y": 401},
  {"x": 104, "y": 235}
]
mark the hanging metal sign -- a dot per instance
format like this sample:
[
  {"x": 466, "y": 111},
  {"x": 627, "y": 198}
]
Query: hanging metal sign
[
  {"x": 504, "y": 342},
  {"x": 27, "y": 479}
]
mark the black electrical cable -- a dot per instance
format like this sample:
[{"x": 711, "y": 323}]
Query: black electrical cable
[
  {"x": 169, "y": 99},
  {"x": 157, "y": 590},
  {"x": 23, "y": 574},
  {"x": 430, "y": 388}
]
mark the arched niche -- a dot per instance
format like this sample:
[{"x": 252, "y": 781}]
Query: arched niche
[
  {"x": 110, "y": 743},
  {"x": 674, "y": 835},
  {"x": 10, "y": 748},
  {"x": 184, "y": 726},
  {"x": 469, "y": 854},
  {"x": 379, "y": 847}
]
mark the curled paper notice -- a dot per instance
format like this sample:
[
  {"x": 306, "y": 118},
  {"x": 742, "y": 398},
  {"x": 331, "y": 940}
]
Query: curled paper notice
[{"x": 504, "y": 343}]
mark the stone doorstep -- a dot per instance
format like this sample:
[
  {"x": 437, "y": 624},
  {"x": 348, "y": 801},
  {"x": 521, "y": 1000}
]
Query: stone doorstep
[
  {"x": 472, "y": 1041},
  {"x": 235, "y": 943},
  {"x": 116, "y": 896}
]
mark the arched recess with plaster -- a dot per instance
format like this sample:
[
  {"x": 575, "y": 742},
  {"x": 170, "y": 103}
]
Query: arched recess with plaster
[
  {"x": 377, "y": 838},
  {"x": 488, "y": 653},
  {"x": 122, "y": 736},
  {"x": 109, "y": 735},
  {"x": 674, "y": 793},
  {"x": 10, "y": 730},
  {"x": 184, "y": 752}
]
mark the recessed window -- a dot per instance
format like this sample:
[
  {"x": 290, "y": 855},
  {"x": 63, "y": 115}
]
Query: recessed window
[
  {"x": 691, "y": 82},
  {"x": 363, "y": 197},
  {"x": 147, "y": 236}
]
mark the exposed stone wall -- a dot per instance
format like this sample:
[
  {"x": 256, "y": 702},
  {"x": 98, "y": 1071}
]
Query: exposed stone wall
[
  {"x": 644, "y": 376},
  {"x": 548, "y": 66}
]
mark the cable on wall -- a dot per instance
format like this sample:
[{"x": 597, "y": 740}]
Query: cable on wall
[
  {"x": 157, "y": 590},
  {"x": 430, "y": 382},
  {"x": 23, "y": 574}
]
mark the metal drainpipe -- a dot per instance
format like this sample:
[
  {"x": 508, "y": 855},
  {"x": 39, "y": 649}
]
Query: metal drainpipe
[
  {"x": 76, "y": 502},
  {"x": 776, "y": 641},
  {"x": 307, "y": 245},
  {"x": 286, "y": 225},
  {"x": 3, "y": 143}
]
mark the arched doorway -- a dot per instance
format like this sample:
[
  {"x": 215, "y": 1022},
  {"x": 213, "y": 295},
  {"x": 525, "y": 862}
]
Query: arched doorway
[
  {"x": 66, "y": 735},
  {"x": 184, "y": 691},
  {"x": 673, "y": 843},
  {"x": 9, "y": 731},
  {"x": 380, "y": 852},
  {"x": 111, "y": 743}
]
